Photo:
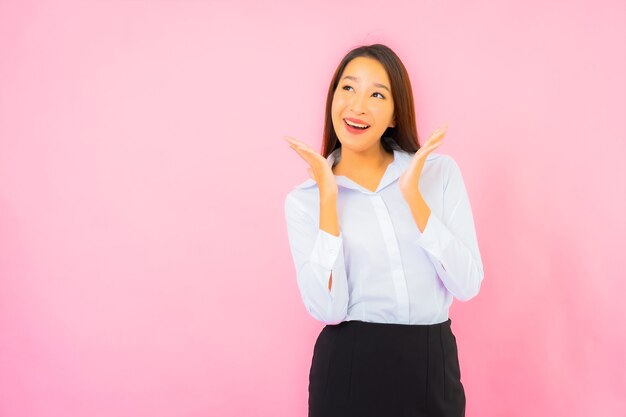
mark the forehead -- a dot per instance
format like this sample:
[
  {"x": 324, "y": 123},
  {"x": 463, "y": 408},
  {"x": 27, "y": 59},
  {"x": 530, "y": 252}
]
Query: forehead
[{"x": 366, "y": 69}]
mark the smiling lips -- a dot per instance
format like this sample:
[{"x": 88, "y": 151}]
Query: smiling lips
[{"x": 355, "y": 126}]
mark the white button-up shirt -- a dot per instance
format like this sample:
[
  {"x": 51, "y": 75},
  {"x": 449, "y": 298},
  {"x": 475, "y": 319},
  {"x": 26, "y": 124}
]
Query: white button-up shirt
[{"x": 384, "y": 269}]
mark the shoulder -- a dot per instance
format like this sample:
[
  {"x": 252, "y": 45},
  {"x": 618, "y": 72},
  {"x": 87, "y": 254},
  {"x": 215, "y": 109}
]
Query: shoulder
[
  {"x": 448, "y": 170},
  {"x": 448, "y": 167},
  {"x": 446, "y": 161},
  {"x": 434, "y": 161},
  {"x": 302, "y": 199},
  {"x": 432, "y": 157},
  {"x": 439, "y": 168},
  {"x": 306, "y": 184}
]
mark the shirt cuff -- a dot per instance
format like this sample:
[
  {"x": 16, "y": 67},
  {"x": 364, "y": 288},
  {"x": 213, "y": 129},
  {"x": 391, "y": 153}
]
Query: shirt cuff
[
  {"x": 326, "y": 249},
  {"x": 435, "y": 237}
]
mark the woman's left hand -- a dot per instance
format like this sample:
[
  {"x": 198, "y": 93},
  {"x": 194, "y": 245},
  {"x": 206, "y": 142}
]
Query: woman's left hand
[{"x": 409, "y": 179}]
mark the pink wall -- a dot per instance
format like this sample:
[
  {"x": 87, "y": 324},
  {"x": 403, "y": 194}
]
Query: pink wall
[{"x": 144, "y": 263}]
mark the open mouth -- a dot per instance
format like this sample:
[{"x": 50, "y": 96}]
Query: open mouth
[{"x": 355, "y": 125}]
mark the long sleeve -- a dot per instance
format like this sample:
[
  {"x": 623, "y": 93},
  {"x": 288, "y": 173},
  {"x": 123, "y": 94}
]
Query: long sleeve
[
  {"x": 451, "y": 241},
  {"x": 315, "y": 254}
]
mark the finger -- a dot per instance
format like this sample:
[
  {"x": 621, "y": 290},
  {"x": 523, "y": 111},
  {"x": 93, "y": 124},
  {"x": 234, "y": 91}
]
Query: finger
[
  {"x": 302, "y": 148},
  {"x": 436, "y": 136},
  {"x": 304, "y": 157},
  {"x": 295, "y": 141},
  {"x": 304, "y": 153},
  {"x": 290, "y": 139},
  {"x": 434, "y": 145},
  {"x": 307, "y": 151},
  {"x": 443, "y": 127},
  {"x": 429, "y": 148},
  {"x": 440, "y": 132},
  {"x": 296, "y": 147},
  {"x": 435, "y": 141}
]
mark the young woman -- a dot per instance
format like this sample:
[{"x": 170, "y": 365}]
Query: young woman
[{"x": 382, "y": 238}]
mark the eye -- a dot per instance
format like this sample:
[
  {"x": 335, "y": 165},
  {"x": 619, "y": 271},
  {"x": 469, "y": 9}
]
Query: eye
[{"x": 348, "y": 86}]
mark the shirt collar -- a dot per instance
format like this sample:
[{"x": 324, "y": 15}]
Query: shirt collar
[{"x": 401, "y": 160}]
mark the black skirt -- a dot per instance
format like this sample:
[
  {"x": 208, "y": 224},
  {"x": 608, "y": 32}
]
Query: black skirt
[{"x": 363, "y": 369}]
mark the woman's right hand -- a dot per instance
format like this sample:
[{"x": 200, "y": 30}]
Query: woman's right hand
[{"x": 319, "y": 170}]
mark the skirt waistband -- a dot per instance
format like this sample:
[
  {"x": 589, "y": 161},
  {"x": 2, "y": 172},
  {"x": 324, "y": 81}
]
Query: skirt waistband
[
  {"x": 389, "y": 331},
  {"x": 390, "y": 326}
]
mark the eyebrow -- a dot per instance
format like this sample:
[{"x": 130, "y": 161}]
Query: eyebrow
[{"x": 376, "y": 84}]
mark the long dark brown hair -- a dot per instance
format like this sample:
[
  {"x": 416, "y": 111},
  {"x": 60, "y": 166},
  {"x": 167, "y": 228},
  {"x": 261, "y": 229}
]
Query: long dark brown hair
[{"x": 404, "y": 134}]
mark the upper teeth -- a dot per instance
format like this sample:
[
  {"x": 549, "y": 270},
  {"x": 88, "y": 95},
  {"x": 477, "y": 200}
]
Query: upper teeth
[{"x": 355, "y": 124}]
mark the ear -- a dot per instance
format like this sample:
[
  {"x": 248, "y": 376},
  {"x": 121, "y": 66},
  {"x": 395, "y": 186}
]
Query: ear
[{"x": 393, "y": 122}]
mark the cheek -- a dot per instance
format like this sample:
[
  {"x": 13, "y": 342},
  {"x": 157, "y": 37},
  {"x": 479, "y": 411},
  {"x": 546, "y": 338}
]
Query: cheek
[
  {"x": 384, "y": 113},
  {"x": 335, "y": 107}
]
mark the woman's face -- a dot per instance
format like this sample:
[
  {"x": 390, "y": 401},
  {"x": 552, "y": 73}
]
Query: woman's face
[{"x": 363, "y": 95}]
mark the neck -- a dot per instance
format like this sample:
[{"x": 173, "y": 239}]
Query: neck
[{"x": 372, "y": 159}]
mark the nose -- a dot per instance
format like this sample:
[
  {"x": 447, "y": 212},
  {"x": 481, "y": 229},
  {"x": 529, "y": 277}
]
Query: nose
[{"x": 357, "y": 104}]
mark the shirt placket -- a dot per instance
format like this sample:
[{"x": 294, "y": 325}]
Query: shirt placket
[{"x": 393, "y": 249}]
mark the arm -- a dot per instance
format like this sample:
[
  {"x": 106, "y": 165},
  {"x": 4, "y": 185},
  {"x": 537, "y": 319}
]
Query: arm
[
  {"x": 329, "y": 221},
  {"x": 318, "y": 259},
  {"x": 450, "y": 241}
]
